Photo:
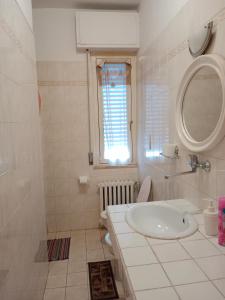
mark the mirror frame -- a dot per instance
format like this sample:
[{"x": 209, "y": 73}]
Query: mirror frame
[{"x": 216, "y": 62}]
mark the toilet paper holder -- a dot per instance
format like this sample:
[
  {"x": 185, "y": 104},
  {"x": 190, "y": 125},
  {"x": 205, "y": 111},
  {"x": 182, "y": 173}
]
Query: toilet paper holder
[{"x": 83, "y": 180}]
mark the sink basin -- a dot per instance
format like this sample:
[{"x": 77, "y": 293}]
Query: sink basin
[{"x": 161, "y": 221}]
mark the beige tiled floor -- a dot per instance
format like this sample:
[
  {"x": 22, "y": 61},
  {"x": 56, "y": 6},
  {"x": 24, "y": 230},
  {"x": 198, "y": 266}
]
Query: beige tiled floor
[{"x": 68, "y": 279}]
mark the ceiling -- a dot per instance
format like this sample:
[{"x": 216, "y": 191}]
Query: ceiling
[{"x": 87, "y": 4}]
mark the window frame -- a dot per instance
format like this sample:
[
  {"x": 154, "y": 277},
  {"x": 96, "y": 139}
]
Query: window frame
[{"x": 97, "y": 140}]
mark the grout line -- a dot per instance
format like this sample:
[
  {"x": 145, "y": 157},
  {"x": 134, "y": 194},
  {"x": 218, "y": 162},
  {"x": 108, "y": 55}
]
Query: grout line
[
  {"x": 17, "y": 43},
  {"x": 25, "y": 18},
  {"x": 219, "y": 254},
  {"x": 210, "y": 280},
  {"x": 191, "y": 259},
  {"x": 160, "y": 263}
]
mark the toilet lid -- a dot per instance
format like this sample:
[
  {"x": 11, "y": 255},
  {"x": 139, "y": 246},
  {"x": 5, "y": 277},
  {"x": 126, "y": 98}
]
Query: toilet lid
[
  {"x": 145, "y": 190},
  {"x": 104, "y": 214}
]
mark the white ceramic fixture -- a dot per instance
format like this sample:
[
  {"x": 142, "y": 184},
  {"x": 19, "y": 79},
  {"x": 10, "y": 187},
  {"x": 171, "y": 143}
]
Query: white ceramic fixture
[
  {"x": 200, "y": 109},
  {"x": 161, "y": 221}
]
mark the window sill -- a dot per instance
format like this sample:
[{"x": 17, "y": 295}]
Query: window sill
[{"x": 106, "y": 166}]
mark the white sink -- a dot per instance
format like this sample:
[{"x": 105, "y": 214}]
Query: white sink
[{"x": 161, "y": 221}]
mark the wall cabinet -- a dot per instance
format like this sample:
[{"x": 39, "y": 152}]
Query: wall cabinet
[{"x": 107, "y": 30}]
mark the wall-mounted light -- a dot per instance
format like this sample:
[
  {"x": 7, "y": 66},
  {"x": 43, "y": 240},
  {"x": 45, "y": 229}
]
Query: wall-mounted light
[{"x": 199, "y": 41}]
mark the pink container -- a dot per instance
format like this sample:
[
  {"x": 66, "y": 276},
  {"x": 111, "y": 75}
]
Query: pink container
[{"x": 221, "y": 221}]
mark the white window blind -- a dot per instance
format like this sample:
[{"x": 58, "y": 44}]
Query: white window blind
[
  {"x": 114, "y": 80},
  {"x": 156, "y": 118}
]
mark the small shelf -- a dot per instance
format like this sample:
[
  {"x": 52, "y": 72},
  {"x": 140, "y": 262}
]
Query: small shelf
[{"x": 175, "y": 156}]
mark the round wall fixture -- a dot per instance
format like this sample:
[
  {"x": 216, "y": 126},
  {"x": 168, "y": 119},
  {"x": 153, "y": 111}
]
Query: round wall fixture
[{"x": 199, "y": 41}]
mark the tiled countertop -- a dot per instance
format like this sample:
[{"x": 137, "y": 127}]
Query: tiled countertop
[{"x": 188, "y": 269}]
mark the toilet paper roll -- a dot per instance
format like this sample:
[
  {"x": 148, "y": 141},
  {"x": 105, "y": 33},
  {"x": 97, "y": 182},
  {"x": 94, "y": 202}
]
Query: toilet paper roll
[
  {"x": 83, "y": 179},
  {"x": 169, "y": 150}
]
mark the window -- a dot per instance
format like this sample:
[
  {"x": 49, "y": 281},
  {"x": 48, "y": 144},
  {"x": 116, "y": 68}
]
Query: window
[{"x": 115, "y": 98}]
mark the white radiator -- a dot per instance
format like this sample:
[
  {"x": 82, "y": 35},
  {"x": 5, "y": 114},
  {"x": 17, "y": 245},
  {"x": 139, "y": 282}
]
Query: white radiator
[{"x": 116, "y": 192}]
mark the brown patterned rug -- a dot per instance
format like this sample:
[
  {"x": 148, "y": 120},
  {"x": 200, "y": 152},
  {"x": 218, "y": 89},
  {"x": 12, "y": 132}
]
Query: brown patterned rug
[{"x": 102, "y": 282}]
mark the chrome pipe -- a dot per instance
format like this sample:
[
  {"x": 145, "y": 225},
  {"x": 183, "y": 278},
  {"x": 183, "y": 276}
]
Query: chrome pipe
[
  {"x": 178, "y": 174},
  {"x": 194, "y": 164}
]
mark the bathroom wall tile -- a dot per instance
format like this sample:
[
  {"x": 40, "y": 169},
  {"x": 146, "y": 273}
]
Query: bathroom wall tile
[
  {"x": 62, "y": 222},
  {"x": 214, "y": 267},
  {"x": 93, "y": 244},
  {"x": 22, "y": 217},
  {"x": 91, "y": 201},
  {"x": 76, "y": 222},
  {"x": 157, "y": 294},
  {"x": 75, "y": 71},
  {"x": 142, "y": 255},
  {"x": 55, "y": 71},
  {"x": 77, "y": 279},
  {"x": 62, "y": 205},
  {"x": 95, "y": 255},
  {"x": 51, "y": 223},
  {"x": 64, "y": 120},
  {"x": 76, "y": 293},
  {"x": 201, "y": 248},
  {"x": 204, "y": 290},
  {"x": 108, "y": 253},
  {"x": 75, "y": 266},
  {"x": 91, "y": 219},
  {"x": 50, "y": 205},
  {"x": 118, "y": 208},
  {"x": 58, "y": 268},
  {"x": 78, "y": 234},
  {"x": 78, "y": 253},
  {"x": 199, "y": 219},
  {"x": 51, "y": 235},
  {"x": 170, "y": 252},
  {"x": 130, "y": 240},
  {"x": 194, "y": 237},
  {"x": 152, "y": 241},
  {"x": 184, "y": 272},
  {"x": 56, "y": 281},
  {"x": 220, "y": 284},
  {"x": 117, "y": 217},
  {"x": 92, "y": 235},
  {"x": 55, "y": 294},
  {"x": 164, "y": 61},
  {"x": 140, "y": 277},
  {"x": 214, "y": 240},
  {"x": 122, "y": 228},
  {"x": 202, "y": 231},
  {"x": 62, "y": 235}
]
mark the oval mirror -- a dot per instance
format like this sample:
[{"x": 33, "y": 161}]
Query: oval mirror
[{"x": 200, "y": 109}]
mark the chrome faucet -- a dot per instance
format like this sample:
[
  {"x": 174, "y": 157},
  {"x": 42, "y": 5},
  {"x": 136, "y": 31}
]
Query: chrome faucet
[{"x": 194, "y": 164}]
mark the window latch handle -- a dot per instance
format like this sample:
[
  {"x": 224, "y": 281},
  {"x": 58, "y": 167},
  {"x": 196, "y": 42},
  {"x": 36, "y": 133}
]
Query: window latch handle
[{"x": 131, "y": 123}]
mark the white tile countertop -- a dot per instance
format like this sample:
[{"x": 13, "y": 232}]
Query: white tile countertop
[{"x": 190, "y": 268}]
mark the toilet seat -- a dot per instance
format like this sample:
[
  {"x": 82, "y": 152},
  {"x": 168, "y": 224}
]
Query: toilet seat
[
  {"x": 104, "y": 215},
  {"x": 103, "y": 218}
]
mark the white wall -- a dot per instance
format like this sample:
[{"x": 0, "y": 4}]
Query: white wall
[
  {"x": 155, "y": 15},
  {"x": 55, "y": 35},
  {"x": 63, "y": 87},
  {"x": 22, "y": 207},
  {"x": 26, "y": 8},
  {"x": 164, "y": 56}
]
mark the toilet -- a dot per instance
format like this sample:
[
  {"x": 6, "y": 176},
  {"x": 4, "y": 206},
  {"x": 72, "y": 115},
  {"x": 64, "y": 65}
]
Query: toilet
[{"x": 143, "y": 196}]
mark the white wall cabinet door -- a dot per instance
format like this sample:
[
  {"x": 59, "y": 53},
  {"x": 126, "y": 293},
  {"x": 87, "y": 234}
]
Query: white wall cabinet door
[{"x": 107, "y": 30}]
